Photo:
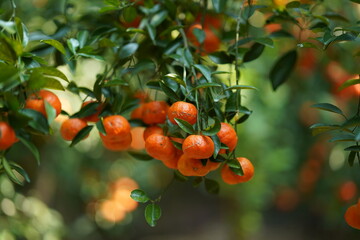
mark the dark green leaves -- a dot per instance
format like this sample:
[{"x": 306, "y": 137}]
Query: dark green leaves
[
  {"x": 31, "y": 147},
  {"x": 128, "y": 50},
  {"x": 282, "y": 69},
  {"x": 184, "y": 125},
  {"x": 139, "y": 196},
  {"x": 56, "y": 44},
  {"x": 254, "y": 52},
  {"x": 152, "y": 214},
  {"x": 140, "y": 156},
  {"x": 328, "y": 107},
  {"x": 214, "y": 129},
  {"x": 83, "y": 133},
  {"x": 212, "y": 186},
  {"x": 349, "y": 83}
]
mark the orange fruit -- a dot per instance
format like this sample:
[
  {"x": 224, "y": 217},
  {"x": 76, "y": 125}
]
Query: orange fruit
[
  {"x": 227, "y": 136},
  {"x": 210, "y": 20},
  {"x": 160, "y": 147},
  {"x": 211, "y": 42},
  {"x": 192, "y": 167},
  {"x": 93, "y": 117},
  {"x": 116, "y": 143},
  {"x": 71, "y": 127},
  {"x": 142, "y": 96},
  {"x": 7, "y": 136},
  {"x": 230, "y": 177},
  {"x": 213, "y": 165},
  {"x": 138, "y": 142},
  {"x": 152, "y": 130},
  {"x": 155, "y": 112},
  {"x": 172, "y": 162},
  {"x": 137, "y": 112},
  {"x": 36, "y": 102},
  {"x": 116, "y": 125},
  {"x": 352, "y": 215},
  {"x": 184, "y": 111},
  {"x": 198, "y": 147}
]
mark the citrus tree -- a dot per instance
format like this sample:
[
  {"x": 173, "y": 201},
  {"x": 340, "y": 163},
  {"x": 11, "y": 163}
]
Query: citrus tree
[{"x": 174, "y": 69}]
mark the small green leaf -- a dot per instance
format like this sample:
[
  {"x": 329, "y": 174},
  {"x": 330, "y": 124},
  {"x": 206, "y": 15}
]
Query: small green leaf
[
  {"x": 139, "y": 196},
  {"x": 20, "y": 170},
  {"x": 184, "y": 125},
  {"x": 217, "y": 145},
  {"x": 328, "y": 107},
  {"x": 240, "y": 87},
  {"x": 319, "y": 128},
  {"x": 351, "y": 158},
  {"x": 140, "y": 156},
  {"x": 81, "y": 135},
  {"x": 214, "y": 129},
  {"x": 87, "y": 110},
  {"x": 343, "y": 138},
  {"x": 100, "y": 126},
  {"x": 10, "y": 172},
  {"x": 128, "y": 50},
  {"x": 221, "y": 57},
  {"x": 73, "y": 45},
  {"x": 354, "y": 148},
  {"x": 176, "y": 78},
  {"x": 204, "y": 70},
  {"x": 349, "y": 83},
  {"x": 38, "y": 121},
  {"x": 50, "y": 112},
  {"x": 152, "y": 214},
  {"x": 207, "y": 85},
  {"x": 169, "y": 92},
  {"x": 199, "y": 34},
  {"x": 212, "y": 186},
  {"x": 56, "y": 44},
  {"x": 282, "y": 68},
  {"x": 254, "y": 52}
]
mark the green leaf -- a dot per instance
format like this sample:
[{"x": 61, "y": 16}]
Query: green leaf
[
  {"x": 184, "y": 125},
  {"x": 128, "y": 50},
  {"x": 176, "y": 78},
  {"x": 254, "y": 52},
  {"x": 319, "y": 128},
  {"x": 38, "y": 121},
  {"x": 33, "y": 149},
  {"x": 343, "y": 138},
  {"x": 352, "y": 122},
  {"x": 51, "y": 71},
  {"x": 282, "y": 69},
  {"x": 221, "y": 57},
  {"x": 87, "y": 110},
  {"x": 196, "y": 182},
  {"x": 152, "y": 214},
  {"x": 351, "y": 158},
  {"x": 235, "y": 167},
  {"x": 20, "y": 170},
  {"x": 154, "y": 85},
  {"x": 38, "y": 81},
  {"x": 265, "y": 41},
  {"x": 240, "y": 87},
  {"x": 217, "y": 145},
  {"x": 8, "y": 26},
  {"x": 139, "y": 196},
  {"x": 22, "y": 32},
  {"x": 214, "y": 129},
  {"x": 152, "y": 32},
  {"x": 140, "y": 156},
  {"x": 158, "y": 18},
  {"x": 50, "y": 112},
  {"x": 199, "y": 34},
  {"x": 73, "y": 45},
  {"x": 169, "y": 92},
  {"x": 83, "y": 133},
  {"x": 355, "y": 1},
  {"x": 328, "y": 107},
  {"x": 212, "y": 186},
  {"x": 100, "y": 126},
  {"x": 354, "y": 148},
  {"x": 204, "y": 70},
  {"x": 10, "y": 172},
  {"x": 207, "y": 85},
  {"x": 129, "y": 14},
  {"x": 349, "y": 83},
  {"x": 56, "y": 44}
]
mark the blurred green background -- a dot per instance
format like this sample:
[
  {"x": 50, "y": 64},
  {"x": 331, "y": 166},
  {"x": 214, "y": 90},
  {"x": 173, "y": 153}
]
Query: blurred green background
[{"x": 301, "y": 188}]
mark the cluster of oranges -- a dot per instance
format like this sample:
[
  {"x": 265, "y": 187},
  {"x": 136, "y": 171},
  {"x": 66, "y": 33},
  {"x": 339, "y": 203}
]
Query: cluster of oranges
[
  {"x": 36, "y": 102},
  {"x": 118, "y": 203},
  {"x": 192, "y": 155}
]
